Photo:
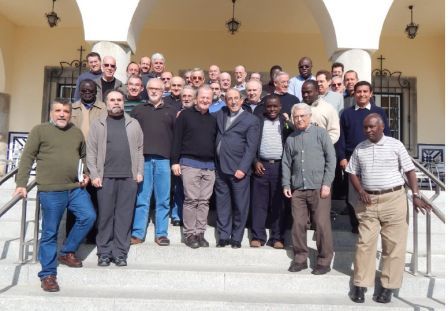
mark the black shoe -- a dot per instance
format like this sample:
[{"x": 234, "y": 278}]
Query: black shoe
[
  {"x": 222, "y": 243},
  {"x": 385, "y": 295},
  {"x": 120, "y": 261},
  {"x": 319, "y": 270},
  {"x": 235, "y": 244},
  {"x": 358, "y": 294},
  {"x": 103, "y": 261},
  {"x": 192, "y": 241},
  {"x": 296, "y": 267},
  {"x": 176, "y": 223},
  {"x": 202, "y": 241}
]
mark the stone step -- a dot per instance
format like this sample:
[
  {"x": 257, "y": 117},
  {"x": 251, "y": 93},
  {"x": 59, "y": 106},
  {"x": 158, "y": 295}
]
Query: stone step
[
  {"x": 261, "y": 257},
  {"x": 217, "y": 279},
  {"x": 23, "y": 298}
]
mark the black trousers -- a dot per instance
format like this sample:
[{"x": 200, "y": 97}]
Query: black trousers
[
  {"x": 268, "y": 204},
  {"x": 116, "y": 203}
]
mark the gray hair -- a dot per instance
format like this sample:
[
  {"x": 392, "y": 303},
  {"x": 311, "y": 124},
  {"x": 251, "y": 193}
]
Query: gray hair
[
  {"x": 280, "y": 73},
  {"x": 188, "y": 87},
  {"x": 260, "y": 86},
  {"x": 301, "y": 106},
  {"x": 157, "y": 56}
]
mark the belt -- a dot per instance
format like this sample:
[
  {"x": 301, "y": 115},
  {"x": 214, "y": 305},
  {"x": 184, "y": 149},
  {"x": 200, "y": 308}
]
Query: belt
[
  {"x": 384, "y": 191},
  {"x": 270, "y": 161}
]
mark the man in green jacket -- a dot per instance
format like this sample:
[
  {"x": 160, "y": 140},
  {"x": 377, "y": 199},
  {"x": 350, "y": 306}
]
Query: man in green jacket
[{"x": 59, "y": 150}]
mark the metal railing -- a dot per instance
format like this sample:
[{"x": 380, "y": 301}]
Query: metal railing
[
  {"x": 10, "y": 204},
  {"x": 439, "y": 186}
]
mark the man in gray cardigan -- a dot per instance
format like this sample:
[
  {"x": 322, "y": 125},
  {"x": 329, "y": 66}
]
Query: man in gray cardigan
[
  {"x": 115, "y": 162},
  {"x": 308, "y": 165}
]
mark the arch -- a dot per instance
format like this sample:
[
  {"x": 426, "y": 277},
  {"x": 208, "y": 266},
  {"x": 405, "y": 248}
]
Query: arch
[
  {"x": 119, "y": 21},
  {"x": 355, "y": 24}
]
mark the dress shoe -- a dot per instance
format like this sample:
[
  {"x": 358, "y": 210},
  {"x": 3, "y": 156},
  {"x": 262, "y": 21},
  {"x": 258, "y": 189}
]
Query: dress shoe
[
  {"x": 192, "y": 241},
  {"x": 176, "y": 223},
  {"x": 358, "y": 294},
  {"x": 384, "y": 296},
  {"x": 319, "y": 270},
  {"x": 296, "y": 267},
  {"x": 70, "y": 260},
  {"x": 235, "y": 244},
  {"x": 222, "y": 243},
  {"x": 135, "y": 241},
  {"x": 202, "y": 241},
  {"x": 103, "y": 261},
  {"x": 255, "y": 243},
  {"x": 120, "y": 261},
  {"x": 162, "y": 241},
  {"x": 49, "y": 283},
  {"x": 278, "y": 245}
]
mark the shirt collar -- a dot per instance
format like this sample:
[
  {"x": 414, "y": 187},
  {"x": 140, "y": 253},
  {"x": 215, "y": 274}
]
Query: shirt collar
[{"x": 368, "y": 107}]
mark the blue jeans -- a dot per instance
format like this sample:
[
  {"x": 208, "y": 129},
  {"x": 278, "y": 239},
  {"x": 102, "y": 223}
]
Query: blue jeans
[
  {"x": 53, "y": 205},
  {"x": 157, "y": 178}
]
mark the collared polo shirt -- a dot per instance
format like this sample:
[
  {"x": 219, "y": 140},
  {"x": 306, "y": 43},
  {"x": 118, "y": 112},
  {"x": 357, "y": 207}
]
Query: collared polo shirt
[{"x": 379, "y": 165}]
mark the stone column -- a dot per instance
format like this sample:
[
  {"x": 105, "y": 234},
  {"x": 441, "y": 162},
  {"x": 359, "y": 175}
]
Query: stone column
[
  {"x": 4, "y": 128},
  {"x": 122, "y": 54},
  {"x": 357, "y": 60}
]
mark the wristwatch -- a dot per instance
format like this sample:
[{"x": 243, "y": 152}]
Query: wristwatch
[{"x": 416, "y": 194}]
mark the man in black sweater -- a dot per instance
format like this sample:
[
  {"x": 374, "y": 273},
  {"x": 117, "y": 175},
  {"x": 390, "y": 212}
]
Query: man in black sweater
[
  {"x": 157, "y": 122},
  {"x": 192, "y": 157}
]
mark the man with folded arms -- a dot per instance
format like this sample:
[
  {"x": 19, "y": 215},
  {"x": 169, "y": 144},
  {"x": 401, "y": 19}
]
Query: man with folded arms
[
  {"x": 58, "y": 147},
  {"x": 192, "y": 158}
]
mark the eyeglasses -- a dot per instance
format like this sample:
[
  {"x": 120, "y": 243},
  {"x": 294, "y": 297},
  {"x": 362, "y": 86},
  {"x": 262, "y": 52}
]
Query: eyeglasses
[
  {"x": 304, "y": 66},
  {"x": 179, "y": 85},
  {"x": 110, "y": 65},
  {"x": 87, "y": 91},
  {"x": 154, "y": 89},
  {"x": 336, "y": 84},
  {"x": 165, "y": 79},
  {"x": 196, "y": 78}
]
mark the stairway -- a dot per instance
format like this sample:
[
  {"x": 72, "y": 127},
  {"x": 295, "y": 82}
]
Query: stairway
[{"x": 180, "y": 278}]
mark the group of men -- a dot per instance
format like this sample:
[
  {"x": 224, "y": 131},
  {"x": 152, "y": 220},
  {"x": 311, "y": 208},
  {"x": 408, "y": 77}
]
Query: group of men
[{"x": 269, "y": 151}]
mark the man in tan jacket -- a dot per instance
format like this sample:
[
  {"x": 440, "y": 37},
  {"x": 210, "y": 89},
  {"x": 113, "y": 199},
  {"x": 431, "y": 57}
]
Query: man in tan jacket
[
  {"x": 115, "y": 162},
  {"x": 84, "y": 112}
]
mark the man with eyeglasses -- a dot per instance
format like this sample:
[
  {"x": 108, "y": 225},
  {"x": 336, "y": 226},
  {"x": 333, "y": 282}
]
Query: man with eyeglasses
[
  {"x": 197, "y": 78},
  {"x": 174, "y": 100},
  {"x": 281, "y": 82},
  {"x": 166, "y": 77},
  {"x": 107, "y": 81},
  {"x": 323, "y": 78},
  {"x": 295, "y": 84},
  {"x": 337, "y": 85},
  {"x": 94, "y": 63},
  {"x": 337, "y": 69},
  {"x": 157, "y": 122}
]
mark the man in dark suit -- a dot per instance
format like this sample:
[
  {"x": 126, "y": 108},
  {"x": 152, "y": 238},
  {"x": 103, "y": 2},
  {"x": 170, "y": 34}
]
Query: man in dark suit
[{"x": 236, "y": 146}]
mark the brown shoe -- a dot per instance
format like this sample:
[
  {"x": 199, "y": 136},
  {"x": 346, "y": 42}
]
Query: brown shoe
[
  {"x": 70, "y": 260},
  {"x": 49, "y": 284},
  {"x": 162, "y": 241},
  {"x": 255, "y": 243},
  {"x": 278, "y": 245},
  {"x": 135, "y": 240}
]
